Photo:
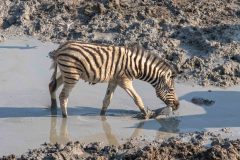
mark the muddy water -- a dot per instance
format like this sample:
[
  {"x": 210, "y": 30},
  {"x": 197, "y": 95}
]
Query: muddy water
[{"x": 26, "y": 122}]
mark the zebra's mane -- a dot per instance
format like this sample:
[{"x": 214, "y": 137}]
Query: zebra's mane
[{"x": 170, "y": 65}]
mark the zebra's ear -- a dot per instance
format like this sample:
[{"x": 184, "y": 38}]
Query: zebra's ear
[{"x": 175, "y": 70}]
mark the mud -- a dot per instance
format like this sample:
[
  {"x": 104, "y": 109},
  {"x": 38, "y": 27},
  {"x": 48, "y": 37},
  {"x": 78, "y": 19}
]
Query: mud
[
  {"x": 202, "y": 101},
  {"x": 201, "y": 38},
  {"x": 197, "y": 145}
]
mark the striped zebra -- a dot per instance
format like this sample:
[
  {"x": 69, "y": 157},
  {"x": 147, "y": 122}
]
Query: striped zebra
[{"x": 117, "y": 65}]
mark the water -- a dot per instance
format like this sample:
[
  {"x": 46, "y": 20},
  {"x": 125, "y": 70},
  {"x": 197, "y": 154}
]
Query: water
[{"x": 27, "y": 122}]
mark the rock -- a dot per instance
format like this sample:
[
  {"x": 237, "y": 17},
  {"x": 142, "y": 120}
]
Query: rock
[
  {"x": 102, "y": 8},
  {"x": 92, "y": 148},
  {"x": 226, "y": 130},
  {"x": 2, "y": 38},
  {"x": 236, "y": 58},
  {"x": 202, "y": 101},
  {"x": 128, "y": 145}
]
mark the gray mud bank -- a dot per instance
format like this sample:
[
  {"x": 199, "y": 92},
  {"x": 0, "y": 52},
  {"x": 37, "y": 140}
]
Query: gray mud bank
[
  {"x": 173, "y": 148},
  {"x": 201, "y": 38}
]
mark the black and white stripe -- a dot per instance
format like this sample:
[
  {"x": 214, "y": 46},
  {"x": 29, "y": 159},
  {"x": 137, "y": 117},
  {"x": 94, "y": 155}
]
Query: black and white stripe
[{"x": 117, "y": 65}]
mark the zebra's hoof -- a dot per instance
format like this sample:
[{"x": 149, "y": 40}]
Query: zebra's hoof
[
  {"x": 64, "y": 115},
  {"x": 146, "y": 114},
  {"x": 53, "y": 111},
  {"x": 150, "y": 114},
  {"x": 141, "y": 116},
  {"x": 53, "y": 103},
  {"x": 102, "y": 113}
]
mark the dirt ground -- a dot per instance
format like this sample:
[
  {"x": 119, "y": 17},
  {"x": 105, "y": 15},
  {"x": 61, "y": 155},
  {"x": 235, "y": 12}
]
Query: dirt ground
[
  {"x": 201, "y": 37},
  {"x": 197, "y": 145}
]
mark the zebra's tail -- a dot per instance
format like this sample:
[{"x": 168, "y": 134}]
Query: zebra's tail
[
  {"x": 53, "y": 83},
  {"x": 52, "y": 54},
  {"x": 54, "y": 66}
]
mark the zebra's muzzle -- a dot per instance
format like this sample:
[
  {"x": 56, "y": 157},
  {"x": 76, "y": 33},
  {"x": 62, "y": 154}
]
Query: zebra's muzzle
[
  {"x": 173, "y": 104},
  {"x": 176, "y": 105}
]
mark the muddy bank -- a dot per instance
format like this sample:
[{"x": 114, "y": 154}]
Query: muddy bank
[
  {"x": 197, "y": 145},
  {"x": 202, "y": 38}
]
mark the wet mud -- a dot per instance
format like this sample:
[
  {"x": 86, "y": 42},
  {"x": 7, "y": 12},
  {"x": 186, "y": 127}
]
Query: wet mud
[
  {"x": 202, "y": 101},
  {"x": 197, "y": 145}
]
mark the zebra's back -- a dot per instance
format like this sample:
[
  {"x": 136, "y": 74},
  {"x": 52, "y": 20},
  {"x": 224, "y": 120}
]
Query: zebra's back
[{"x": 91, "y": 62}]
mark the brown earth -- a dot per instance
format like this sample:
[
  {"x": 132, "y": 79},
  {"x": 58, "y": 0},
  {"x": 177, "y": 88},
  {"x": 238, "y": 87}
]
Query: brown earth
[{"x": 201, "y": 38}]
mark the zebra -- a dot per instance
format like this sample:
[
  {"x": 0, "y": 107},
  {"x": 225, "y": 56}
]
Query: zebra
[{"x": 117, "y": 65}]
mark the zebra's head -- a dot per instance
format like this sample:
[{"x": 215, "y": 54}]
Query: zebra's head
[{"x": 165, "y": 90}]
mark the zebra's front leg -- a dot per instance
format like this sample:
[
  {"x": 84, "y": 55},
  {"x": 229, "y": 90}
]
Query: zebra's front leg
[
  {"x": 63, "y": 97},
  {"x": 126, "y": 84},
  {"x": 108, "y": 96},
  {"x": 53, "y": 86}
]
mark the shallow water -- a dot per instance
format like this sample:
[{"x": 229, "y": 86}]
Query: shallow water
[{"x": 26, "y": 121}]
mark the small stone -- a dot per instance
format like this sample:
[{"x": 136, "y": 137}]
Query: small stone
[
  {"x": 102, "y": 8},
  {"x": 226, "y": 130},
  {"x": 2, "y": 38},
  {"x": 236, "y": 58},
  {"x": 202, "y": 101}
]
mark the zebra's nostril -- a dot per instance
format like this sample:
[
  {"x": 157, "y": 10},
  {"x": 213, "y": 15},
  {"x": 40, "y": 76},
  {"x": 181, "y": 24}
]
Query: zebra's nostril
[
  {"x": 177, "y": 103},
  {"x": 171, "y": 89}
]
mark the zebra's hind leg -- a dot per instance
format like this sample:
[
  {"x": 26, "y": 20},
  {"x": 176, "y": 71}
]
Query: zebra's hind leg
[
  {"x": 108, "y": 96},
  {"x": 53, "y": 86},
  {"x": 63, "y": 97}
]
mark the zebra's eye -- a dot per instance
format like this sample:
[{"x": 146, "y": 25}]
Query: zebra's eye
[
  {"x": 173, "y": 76},
  {"x": 171, "y": 89}
]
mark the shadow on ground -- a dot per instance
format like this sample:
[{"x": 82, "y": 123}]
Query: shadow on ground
[
  {"x": 18, "y": 47},
  {"x": 21, "y": 112}
]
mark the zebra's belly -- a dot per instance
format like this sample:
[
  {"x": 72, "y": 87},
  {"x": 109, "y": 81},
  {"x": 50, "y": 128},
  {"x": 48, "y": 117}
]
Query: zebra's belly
[{"x": 92, "y": 78}]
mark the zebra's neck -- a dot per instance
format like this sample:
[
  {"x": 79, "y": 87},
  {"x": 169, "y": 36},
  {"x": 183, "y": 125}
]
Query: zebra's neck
[
  {"x": 149, "y": 70},
  {"x": 146, "y": 66}
]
